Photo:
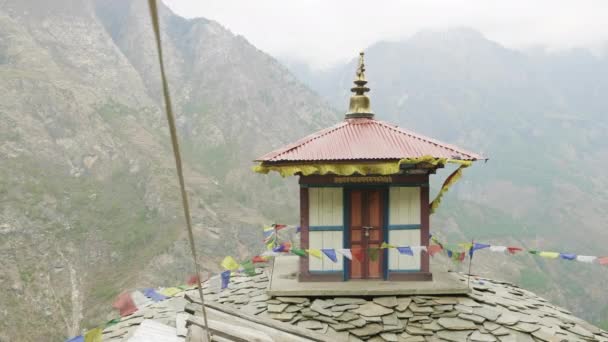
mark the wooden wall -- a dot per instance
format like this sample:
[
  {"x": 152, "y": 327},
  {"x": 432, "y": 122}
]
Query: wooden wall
[
  {"x": 325, "y": 220},
  {"x": 404, "y": 221}
]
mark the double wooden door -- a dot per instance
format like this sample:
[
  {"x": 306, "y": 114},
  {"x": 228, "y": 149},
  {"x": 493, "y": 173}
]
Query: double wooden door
[{"x": 366, "y": 233}]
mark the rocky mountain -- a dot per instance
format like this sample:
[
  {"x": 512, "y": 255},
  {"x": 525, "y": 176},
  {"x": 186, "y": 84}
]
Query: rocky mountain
[
  {"x": 541, "y": 119},
  {"x": 88, "y": 192}
]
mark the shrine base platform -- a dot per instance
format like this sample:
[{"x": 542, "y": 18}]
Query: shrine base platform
[{"x": 284, "y": 282}]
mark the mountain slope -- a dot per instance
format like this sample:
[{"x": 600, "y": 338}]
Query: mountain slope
[
  {"x": 89, "y": 203},
  {"x": 539, "y": 117}
]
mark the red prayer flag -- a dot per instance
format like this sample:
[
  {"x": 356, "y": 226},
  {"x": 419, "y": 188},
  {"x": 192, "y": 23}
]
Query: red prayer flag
[
  {"x": 257, "y": 259},
  {"x": 514, "y": 250},
  {"x": 434, "y": 249},
  {"x": 603, "y": 260},
  {"x": 357, "y": 253},
  {"x": 193, "y": 280},
  {"x": 124, "y": 304},
  {"x": 279, "y": 226}
]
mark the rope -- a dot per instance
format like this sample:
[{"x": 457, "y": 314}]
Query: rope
[{"x": 176, "y": 153}]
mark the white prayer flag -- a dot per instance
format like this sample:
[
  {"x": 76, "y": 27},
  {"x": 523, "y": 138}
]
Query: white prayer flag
[
  {"x": 586, "y": 258},
  {"x": 418, "y": 249},
  {"x": 498, "y": 249},
  {"x": 346, "y": 253}
]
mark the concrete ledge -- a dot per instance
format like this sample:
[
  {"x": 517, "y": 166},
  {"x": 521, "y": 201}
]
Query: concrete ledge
[{"x": 284, "y": 282}]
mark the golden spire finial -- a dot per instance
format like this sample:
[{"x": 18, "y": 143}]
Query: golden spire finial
[
  {"x": 359, "y": 103},
  {"x": 361, "y": 68}
]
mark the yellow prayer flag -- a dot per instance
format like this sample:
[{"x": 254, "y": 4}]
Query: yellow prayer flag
[
  {"x": 550, "y": 255},
  {"x": 386, "y": 245},
  {"x": 230, "y": 264},
  {"x": 93, "y": 335},
  {"x": 315, "y": 252},
  {"x": 170, "y": 291}
]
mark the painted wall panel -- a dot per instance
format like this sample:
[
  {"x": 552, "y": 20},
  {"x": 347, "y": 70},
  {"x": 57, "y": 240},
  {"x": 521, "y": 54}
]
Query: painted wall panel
[
  {"x": 327, "y": 240},
  {"x": 404, "y": 205},
  {"x": 325, "y": 207},
  {"x": 397, "y": 261}
]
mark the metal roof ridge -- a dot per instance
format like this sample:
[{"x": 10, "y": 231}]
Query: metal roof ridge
[
  {"x": 301, "y": 142},
  {"x": 430, "y": 140}
]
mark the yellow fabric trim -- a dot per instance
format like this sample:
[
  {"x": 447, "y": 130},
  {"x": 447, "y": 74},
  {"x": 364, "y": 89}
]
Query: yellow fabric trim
[
  {"x": 451, "y": 180},
  {"x": 383, "y": 168}
]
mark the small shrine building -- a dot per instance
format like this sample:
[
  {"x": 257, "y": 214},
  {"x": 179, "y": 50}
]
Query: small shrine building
[{"x": 364, "y": 185}]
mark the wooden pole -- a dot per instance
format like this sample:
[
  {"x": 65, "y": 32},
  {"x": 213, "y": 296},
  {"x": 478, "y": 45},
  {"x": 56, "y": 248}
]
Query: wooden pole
[{"x": 471, "y": 252}]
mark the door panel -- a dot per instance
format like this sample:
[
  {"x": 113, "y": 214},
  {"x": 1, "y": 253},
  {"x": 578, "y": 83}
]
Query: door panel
[
  {"x": 356, "y": 235},
  {"x": 366, "y": 231}
]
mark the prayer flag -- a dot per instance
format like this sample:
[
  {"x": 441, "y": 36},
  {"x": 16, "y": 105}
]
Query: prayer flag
[
  {"x": 586, "y": 258},
  {"x": 93, "y": 335},
  {"x": 298, "y": 251},
  {"x": 346, "y": 253},
  {"x": 499, "y": 249},
  {"x": 112, "y": 322},
  {"x": 514, "y": 250},
  {"x": 298, "y": 229},
  {"x": 567, "y": 256},
  {"x": 193, "y": 280},
  {"x": 76, "y": 339},
  {"x": 270, "y": 254},
  {"x": 270, "y": 237},
  {"x": 315, "y": 252},
  {"x": 215, "y": 283},
  {"x": 248, "y": 268},
  {"x": 549, "y": 255},
  {"x": 434, "y": 249},
  {"x": 603, "y": 260},
  {"x": 331, "y": 254},
  {"x": 124, "y": 304},
  {"x": 279, "y": 226},
  {"x": 449, "y": 252},
  {"x": 357, "y": 253},
  {"x": 259, "y": 258},
  {"x": 225, "y": 279},
  {"x": 374, "y": 253},
  {"x": 230, "y": 264},
  {"x": 533, "y": 251},
  {"x": 418, "y": 249},
  {"x": 170, "y": 291},
  {"x": 152, "y": 294},
  {"x": 477, "y": 246},
  {"x": 386, "y": 245},
  {"x": 405, "y": 250}
]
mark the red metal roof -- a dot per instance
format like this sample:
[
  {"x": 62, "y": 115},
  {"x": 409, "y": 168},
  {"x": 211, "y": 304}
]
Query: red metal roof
[{"x": 361, "y": 139}]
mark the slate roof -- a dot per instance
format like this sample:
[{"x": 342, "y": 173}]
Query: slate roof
[
  {"x": 493, "y": 311},
  {"x": 365, "y": 139}
]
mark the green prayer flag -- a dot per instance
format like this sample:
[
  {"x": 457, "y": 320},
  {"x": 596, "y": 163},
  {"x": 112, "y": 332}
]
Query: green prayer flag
[
  {"x": 248, "y": 268},
  {"x": 112, "y": 322},
  {"x": 532, "y": 251},
  {"x": 298, "y": 251},
  {"x": 374, "y": 252}
]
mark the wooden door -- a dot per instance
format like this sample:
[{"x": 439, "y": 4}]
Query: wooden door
[{"x": 366, "y": 233}]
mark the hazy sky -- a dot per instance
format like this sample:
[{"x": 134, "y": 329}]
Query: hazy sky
[{"x": 322, "y": 32}]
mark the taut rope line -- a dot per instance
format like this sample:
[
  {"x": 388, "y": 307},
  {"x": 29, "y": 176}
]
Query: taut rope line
[{"x": 177, "y": 154}]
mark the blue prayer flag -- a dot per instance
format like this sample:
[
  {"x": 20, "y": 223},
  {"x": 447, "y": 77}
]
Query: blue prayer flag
[
  {"x": 76, "y": 339},
  {"x": 331, "y": 254},
  {"x": 405, "y": 250},
  {"x": 152, "y": 294},
  {"x": 449, "y": 253},
  {"x": 477, "y": 246},
  {"x": 567, "y": 256},
  {"x": 225, "y": 279}
]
